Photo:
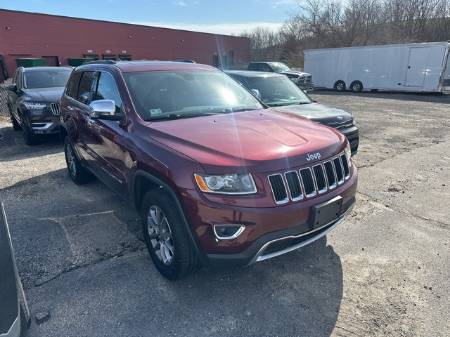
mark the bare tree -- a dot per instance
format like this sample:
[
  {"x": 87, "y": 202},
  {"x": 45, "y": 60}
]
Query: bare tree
[{"x": 333, "y": 23}]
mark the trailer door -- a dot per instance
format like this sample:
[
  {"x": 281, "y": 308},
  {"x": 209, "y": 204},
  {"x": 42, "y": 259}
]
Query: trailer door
[{"x": 417, "y": 66}]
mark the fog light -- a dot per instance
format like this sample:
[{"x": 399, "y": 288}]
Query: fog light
[{"x": 228, "y": 232}]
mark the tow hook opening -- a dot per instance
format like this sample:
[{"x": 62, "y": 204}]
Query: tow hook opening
[{"x": 228, "y": 231}]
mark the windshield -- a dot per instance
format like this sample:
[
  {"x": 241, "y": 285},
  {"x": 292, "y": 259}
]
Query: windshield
[
  {"x": 179, "y": 94},
  {"x": 277, "y": 90},
  {"x": 279, "y": 67},
  {"x": 46, "y": 78}
]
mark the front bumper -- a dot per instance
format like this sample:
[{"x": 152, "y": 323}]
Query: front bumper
[
  {"x": 306, "y": 86},
  {"x": 352, "y": 134},
  {"x": 269, "y": 232},
  {"x": 45, "y": 127},
  {"x": 278, "y": 243}
]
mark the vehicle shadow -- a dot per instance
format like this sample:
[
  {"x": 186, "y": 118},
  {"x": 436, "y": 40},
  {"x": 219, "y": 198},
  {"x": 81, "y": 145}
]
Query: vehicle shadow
[
  {"x": 80, "y": 252},
  {"x": 403, "y": 96},
  {"x": 13, "y": 147},
  {"x": 298, "y": 294}
]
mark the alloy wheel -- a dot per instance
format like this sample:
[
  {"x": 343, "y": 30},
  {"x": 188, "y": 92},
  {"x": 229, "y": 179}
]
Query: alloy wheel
[{"x": 160, "y": 235}]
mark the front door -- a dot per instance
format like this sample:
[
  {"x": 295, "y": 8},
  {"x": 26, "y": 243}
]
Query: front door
[
  {"x": 108, "y": 139},
  {"x": 417, "y": 66}
]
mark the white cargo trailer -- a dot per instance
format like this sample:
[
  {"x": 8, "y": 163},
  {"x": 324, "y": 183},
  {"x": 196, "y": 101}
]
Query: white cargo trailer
[{"x": 417, "y": 67}]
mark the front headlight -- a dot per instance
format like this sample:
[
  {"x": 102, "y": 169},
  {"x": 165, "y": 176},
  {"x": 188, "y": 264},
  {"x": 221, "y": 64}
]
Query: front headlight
[
  {"x": 34, "y": 105},
  {"x": 226, "y": 184},
  {"x": 348, "y": 154}
]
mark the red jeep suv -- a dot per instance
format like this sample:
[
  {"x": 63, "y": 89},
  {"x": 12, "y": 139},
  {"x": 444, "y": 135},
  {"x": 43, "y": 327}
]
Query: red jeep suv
[{"x": 217, "y": 178}]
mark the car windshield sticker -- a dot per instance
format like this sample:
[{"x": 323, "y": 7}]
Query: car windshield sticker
[{"x": 155, "y": 112}]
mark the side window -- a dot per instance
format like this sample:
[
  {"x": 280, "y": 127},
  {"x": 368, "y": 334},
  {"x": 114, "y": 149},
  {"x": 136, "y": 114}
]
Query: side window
[
  {"x": 72, "y": 85},
  {"x": 86, "y": 88},
  {"x": 107, "y": 89},
  {"x": 266, "y": 67},
  {"x": 253, "y": 66}
]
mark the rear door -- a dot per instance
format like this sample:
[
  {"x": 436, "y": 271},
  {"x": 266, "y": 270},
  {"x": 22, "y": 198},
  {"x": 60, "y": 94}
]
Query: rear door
[{"x": 417, "y": 66}]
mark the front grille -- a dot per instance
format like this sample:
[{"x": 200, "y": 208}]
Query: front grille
[
  {"x": 345, "y": 166},
  {"x": 331, "y": 175},
  {"x": 320, "y": 179},
  {"x": 307, "y": 182},
  {"x": 339, "y": 170},
  {"x": 294, "y": 186},
  {"x": 54, "y": 108},
  {"x": 278, "y": 188},
  {"x": 346, "y": 125}
]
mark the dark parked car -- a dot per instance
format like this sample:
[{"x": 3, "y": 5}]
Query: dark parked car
[
  {"x": 14, "y": 313},
  {"x": 279, "y": 93},
  {"x": 301, "y": 79},
  {"x": 217, "y": 178},
  {"x": 33, "y": 100}
]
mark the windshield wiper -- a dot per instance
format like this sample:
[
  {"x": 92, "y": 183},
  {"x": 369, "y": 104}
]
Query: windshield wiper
[
  {"x": 174, "y": 116},
  {"x": 244, "y": 109},
  {"x": 287, "y": 103}
]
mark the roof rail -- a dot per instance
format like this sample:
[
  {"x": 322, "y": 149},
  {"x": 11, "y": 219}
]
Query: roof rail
[{"x": 101, "y": 62}]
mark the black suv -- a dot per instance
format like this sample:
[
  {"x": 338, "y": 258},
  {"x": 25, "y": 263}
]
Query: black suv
[
  {"x": 33, "y": 100},
  {"x": 277, "y": 92}
]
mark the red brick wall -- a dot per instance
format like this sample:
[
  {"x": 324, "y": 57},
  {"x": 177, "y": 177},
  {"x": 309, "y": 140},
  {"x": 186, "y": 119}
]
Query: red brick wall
[{"x": 36, "y": 35}]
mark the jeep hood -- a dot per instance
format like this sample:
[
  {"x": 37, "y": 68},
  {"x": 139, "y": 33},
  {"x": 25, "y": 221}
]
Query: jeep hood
[
  {"x": 318, "y": 113},
  {"x": 264, "y": 139}
]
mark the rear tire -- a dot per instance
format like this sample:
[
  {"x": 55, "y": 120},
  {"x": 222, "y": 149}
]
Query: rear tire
[
  {"x": 16, "y": 125},
  {"x": 340, "y": 86},
  {"x": 166, "y": 236},
  {"x": 356, "y": 86},
  {"x": 77, "y": 172}
]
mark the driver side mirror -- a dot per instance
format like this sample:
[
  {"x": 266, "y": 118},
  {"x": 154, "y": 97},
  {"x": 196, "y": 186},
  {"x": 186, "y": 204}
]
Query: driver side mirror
[
  {"x": 256, "y": 93},
  {"x": 104, "y": 109}
]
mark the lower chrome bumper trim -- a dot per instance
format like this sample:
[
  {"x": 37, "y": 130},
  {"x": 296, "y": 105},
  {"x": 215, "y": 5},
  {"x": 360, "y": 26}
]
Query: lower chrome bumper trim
[
  {"x": 259, "y": 256},
  {"x": 46, "y": 126}
]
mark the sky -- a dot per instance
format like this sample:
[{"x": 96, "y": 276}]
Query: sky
[{"x": 213, "y": 16}]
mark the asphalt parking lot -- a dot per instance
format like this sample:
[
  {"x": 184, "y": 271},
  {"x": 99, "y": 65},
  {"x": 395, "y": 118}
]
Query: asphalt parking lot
[{"x": 383, "y": 272}]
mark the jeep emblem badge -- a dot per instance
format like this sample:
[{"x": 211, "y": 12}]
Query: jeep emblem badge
[{"x": 313, "y": 156}]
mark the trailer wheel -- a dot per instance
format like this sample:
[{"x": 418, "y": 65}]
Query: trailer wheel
[
  {"x": 356, "y": 86},
  {"x": 340, "y": 86}
]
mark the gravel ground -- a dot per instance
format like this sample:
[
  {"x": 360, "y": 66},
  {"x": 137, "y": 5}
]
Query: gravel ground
[{"x": 383, "y": 272}]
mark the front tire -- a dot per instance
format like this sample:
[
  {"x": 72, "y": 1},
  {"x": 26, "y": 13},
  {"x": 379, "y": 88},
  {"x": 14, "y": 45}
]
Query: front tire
[
  {"x": 166, "y": 236},
  {"x": 77, "y": 172},
  {"x": 28, "y": 136},
  {"x": 15, "y": 123}
]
